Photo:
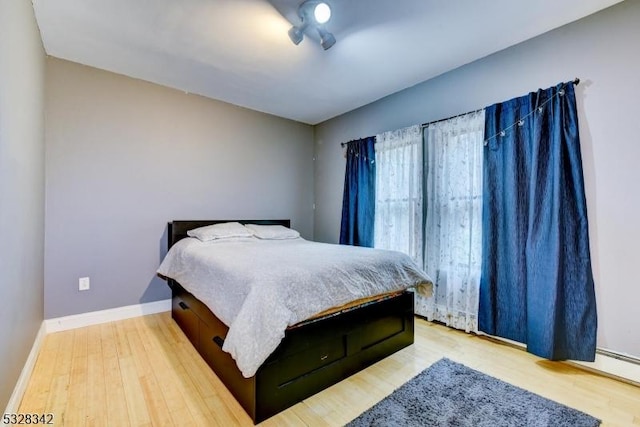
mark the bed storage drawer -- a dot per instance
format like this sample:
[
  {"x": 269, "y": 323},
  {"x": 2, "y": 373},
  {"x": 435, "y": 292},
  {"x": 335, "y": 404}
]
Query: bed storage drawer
[
  {"x": 211, "y": 340},
  {"x": 186, "y": 318},
  {"x": 375, "y": 332},
  {"x": 307, "y": 361},
  {"x": 206, "y": 332}
]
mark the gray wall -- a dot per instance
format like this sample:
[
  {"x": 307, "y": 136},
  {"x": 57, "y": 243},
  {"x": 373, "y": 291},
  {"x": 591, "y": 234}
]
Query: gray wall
[
  {"x": 124, "y": 157},
  {"x": 21, "y": 188},
  {"x": 602, "y": 51}
]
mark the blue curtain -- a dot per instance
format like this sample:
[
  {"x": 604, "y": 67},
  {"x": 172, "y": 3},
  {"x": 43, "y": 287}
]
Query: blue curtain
[
  {"x": 536, "y": 285},
  {"x": 358, "y": 201}
]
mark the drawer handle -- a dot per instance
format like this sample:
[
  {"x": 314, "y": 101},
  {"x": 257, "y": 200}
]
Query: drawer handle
[
  {"x": 324, "y": 357},
  {"x": 218, "y": 341},
  {"x": 183, "y": 305}
]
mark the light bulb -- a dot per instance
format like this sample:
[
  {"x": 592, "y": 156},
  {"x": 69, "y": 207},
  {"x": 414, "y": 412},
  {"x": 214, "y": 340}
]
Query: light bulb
[{"x": 322, "y": 13}]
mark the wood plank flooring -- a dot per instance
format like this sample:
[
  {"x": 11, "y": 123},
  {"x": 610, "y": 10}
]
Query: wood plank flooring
[{"x": 144, "y": 372}]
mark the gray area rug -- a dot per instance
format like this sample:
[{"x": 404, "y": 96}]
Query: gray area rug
[{"x": 450, "y": 394}]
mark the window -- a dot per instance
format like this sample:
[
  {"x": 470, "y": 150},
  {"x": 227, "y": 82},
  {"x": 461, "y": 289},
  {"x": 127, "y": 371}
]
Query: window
[
  {"x": 399, "y": 198},
  {"x": 439, "y": 224},
  {"x": 453, "y": 223}
]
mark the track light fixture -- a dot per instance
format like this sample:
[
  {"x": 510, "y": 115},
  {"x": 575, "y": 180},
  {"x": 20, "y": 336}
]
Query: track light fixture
[{"x": 313, "y": 14}]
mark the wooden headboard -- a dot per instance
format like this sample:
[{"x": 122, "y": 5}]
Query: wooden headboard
[{"x": 178, "y": 229}]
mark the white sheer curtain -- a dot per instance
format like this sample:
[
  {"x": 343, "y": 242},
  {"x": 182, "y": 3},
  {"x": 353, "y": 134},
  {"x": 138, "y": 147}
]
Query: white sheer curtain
[
  {"x": 453, "y": 223},
  {"x": 399, "y": 208}
]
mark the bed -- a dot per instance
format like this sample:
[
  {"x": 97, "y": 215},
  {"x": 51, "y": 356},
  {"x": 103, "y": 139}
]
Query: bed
[{"x": 314, "y": 353}]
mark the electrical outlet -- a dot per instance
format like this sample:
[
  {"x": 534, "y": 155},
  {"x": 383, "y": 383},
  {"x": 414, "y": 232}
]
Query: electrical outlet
[{"x": 83, "y": 284}]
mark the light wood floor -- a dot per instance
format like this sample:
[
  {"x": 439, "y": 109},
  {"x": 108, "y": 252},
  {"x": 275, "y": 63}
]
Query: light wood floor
[{"x": 144, "y": 372}]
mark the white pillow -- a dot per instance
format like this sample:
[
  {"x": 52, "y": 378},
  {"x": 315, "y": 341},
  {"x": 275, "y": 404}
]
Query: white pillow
[
  {"x": 223, "y": 230},
  {"x": 272, "y": 232}
]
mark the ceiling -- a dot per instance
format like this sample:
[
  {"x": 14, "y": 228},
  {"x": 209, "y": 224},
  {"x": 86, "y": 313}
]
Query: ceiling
[{"x": 238, "y": 51}]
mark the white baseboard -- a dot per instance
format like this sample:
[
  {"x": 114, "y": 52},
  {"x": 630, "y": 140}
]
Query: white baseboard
[
  {"x": 25, "y": 375},
  {"x": 103, "y": 316},
  {"x": 607, "y": 362},
  {"x": 612, "y": 366}
]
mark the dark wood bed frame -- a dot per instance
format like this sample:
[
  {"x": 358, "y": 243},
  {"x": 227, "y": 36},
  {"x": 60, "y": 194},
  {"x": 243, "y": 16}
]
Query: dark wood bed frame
[{"x": 312, "y": 356}]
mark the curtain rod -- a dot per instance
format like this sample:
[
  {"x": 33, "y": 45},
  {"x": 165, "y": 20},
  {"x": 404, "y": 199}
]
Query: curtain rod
[
  {"x": 575, "y": 81},
  {"x": 344, "y": 144},
  {"x": 424, "y": 125}
]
